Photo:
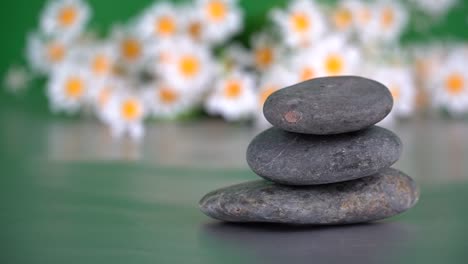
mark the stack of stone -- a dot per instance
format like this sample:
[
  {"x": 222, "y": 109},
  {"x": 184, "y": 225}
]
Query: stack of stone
[{"x": 324, "y": 161}]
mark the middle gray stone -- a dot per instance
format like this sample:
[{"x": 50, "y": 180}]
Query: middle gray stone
[{"x": 302, "y": 159}]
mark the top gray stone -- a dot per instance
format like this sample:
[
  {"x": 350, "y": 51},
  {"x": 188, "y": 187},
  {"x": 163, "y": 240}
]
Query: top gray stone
[{"x": 329, "y": 105}]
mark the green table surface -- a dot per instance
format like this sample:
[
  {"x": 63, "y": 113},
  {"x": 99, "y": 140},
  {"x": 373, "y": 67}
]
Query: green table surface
[{"x": 71, "y": 194}]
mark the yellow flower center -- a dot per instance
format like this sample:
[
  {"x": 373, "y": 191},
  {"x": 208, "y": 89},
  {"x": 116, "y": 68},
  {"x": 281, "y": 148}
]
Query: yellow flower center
[
  {"x": 388, "y": 17},
  {"x": 189, "y": 66},
  {"x": 131, "y": 109},
  {"x": 216, "y": 10},
  {"x": 307, "y": 73},
  {"x": 334, "y": 64},
  {"x": 455, "y": 83},
  {"x": 233, "y": 89},
  {"x": 195, "y": 29},
  {"x": 343, "y": 18},
  {"x": 101, "y": 64},
  {"x": 74, "y": 87},
  {"x": 55, "y": 52},
  {"x": 265, "y": 93},
  {"x": 165, "y": 26},
  {"x": 168, "y": 95},
  {"x": 300, "y": 22},
  {"x": 67, "y": 16},
  {"x": 131, "y": 49},
  {"x": 264, "y": 57}
]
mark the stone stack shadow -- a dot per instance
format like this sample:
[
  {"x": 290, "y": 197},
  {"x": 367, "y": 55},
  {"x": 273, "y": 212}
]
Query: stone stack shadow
[{"x": 323, "y": 162}]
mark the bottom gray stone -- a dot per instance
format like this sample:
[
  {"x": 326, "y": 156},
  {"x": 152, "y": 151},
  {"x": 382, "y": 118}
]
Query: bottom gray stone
[{"x": 372, "y": 198}]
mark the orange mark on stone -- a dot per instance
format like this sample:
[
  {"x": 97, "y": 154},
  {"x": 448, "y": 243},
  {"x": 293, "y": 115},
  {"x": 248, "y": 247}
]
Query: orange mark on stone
[{"x": 292, "y": 116}]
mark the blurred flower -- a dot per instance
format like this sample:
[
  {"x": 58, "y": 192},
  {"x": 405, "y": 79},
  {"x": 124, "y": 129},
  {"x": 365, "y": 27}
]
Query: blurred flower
[
  {"x": 399, "y": 80},
  {"x": 335, "y": 57},
  {"x": 234, "y": 56},
  {"x": 234, "y": 97},
  {"x": 427, "y": 61},
  {"x": 220, "y": 19},
  {"x": 167, "y": 101},
  {"x": 65, "y": 18},
  {"x": 363, "y": 14},
  {"x": 101, "y": 59},
  {"x": 16, "y": 79},
  {"x": 101, "y": 93},
  {"x": 276, "y": 78},
  {"x": 388, "y": 21},
  {"x": 435, "y": 8},
  {"x": 160, "y": 52},
  {"x": 305, "y": 65},
  {"x": 450, "y": 85},
  {"x": 191, "y": 66},
  {"x": 160, "y": 22},
  {"x": 125, "y": 113},
  {"x": 132, "y": 47},
  {"x": 301, "y": 23},
  {"x": 265, "y": 52},
  {"x": 44, "y": 53},
  {"x": 68, "y": 88},
  {"x": 343, "y": 16}
]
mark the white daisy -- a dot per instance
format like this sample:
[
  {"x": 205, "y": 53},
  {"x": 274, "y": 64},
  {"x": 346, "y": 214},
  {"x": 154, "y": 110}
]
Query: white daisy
[
  {"x": 301, "y": 24},
  {"x": 220, "y": 19},
  {"x": 435, "y": 8},
  {"x": 234, "y": 56},
  {"x": 44, "y": 54},
  {"x": 131, "y": 47},
  {"x": 234, "y": 97},
  {"x": 167, "y": 101},
  {"x": 277, "y": 77},
  {"x": 101, "y": 59},
  {"x": 16, "y": 79},
  {"x": 101, "y": 93},
  {"x": 399, "y": 80},
  {"x": 427, "y": 61},
  {"x": 336, "y": 57},
  {"x": 66, "y": 18},
  {"x": 160, "y": 22},
  {"x": 305, "y": 65},
  {"x": 450, "y": 89},
  {"x": 363, "y": 14},
  {"x": 342, "y": 16},
  {"x": 125, "y": 113},
  {"x": 68, "y": 88},
  {"x": 190, "y": 67},
  {"x": 388, "y": 22},
  {"x": 193, "y": 25},
  {"x": 264, "y": 51},
  {"x": 161, "y": 52}
]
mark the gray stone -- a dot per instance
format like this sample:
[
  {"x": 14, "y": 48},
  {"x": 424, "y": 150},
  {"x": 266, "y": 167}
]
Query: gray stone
[
  {"x": 383, "y": 195},
  {"x": 329, "y": 105},
  {"x": 304, "y": 159}
]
